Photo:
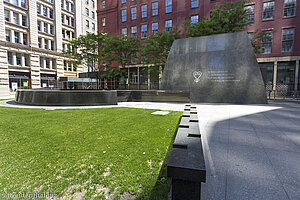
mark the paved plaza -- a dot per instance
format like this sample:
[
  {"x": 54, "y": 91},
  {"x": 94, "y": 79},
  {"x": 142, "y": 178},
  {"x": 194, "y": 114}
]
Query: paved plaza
[{"x": 251, "y": 151}]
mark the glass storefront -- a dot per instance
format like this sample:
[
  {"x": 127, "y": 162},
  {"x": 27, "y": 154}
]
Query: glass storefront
[
  {"x": 286, "y": 75},
  {"x": 48, "y": 81},
  {"x": 19, "y": 80}
]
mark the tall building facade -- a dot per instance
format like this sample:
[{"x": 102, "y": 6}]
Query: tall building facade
[
  {"x": 33, "y": 34},
  {"x": 279, "y": 19}
]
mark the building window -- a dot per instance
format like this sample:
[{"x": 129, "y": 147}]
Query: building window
[
  {"x": 268, "y": 12},
  {"x": 52, "y": 45},
  {"x": 288, "y": 39},
  {"x": 72, "y": 22},
  {"x": 134, "y": 32},
  {"x": 25, "y": 39},
  {"x": 144, "y": 11},
  {"x": 93, "y": 3},
  {"x": 7, "y": 15},
  {"x": 19, "y": 59},
  {"x": 133, "y": 13},
  {"x": 87, "y": 12},
  {"x": 87, "y": 2},
  {"x": 24, "y": 20},
  {"x": 194, "y": 19},
  {"x": 27, "y": 60},
  {"x": 39, "y": 25},
  {"x": 103, "y": 21},
  {"x": 266, "y": 42},
  {"x": 168, "y": 25},
  {"x": 67, "y": 6},
  {"x": 168, "y": 6},
  {"x": 194, "y": 3},
  {"x": 62, "y": 3},
  {"x": 144, "y": 31},
  {"x": 124, "y": 17},
  {"x": 47, "y": 63},
  {"x": 62, "y": 18},
  {"x": 51, "y": 13},
  {"x": 289, "y": 8},
  {"x": 93, "y": 26},
  {"x": 46, "y": 44},
  {"x": 124, "y": 32},
  {"x": 16, "y": 18},
  {"x": 15, "y": 2},
  {"x": 40, "y": 42},
  {"x": 154, "y": 28},
  {"x": 72, "y": 7},
  {"x": 10, "y": 58},
  {"x": 23, "y": 3},
  {"x": 123, "y": 1},
  {"x": 154, "y": 8},
  {"x": 87, "y": 23},
  {"x": 53, "y": 63},
  {"x": 17, "y": 37},
  {"x": 45, "y": 10},
  {"x": 51, "y": 29},
  {"x": 93, "y": 14},
  {"x": 250, "y": 13},
  {"x": 38, "y": 8},
  {"x": 103, "y": 4},
  {"x": 45, "y": 27},
  {"x": 8, "y": 35}
]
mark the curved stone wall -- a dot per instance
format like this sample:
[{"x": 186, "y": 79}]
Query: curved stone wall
[{"x": 66, "y": 97}]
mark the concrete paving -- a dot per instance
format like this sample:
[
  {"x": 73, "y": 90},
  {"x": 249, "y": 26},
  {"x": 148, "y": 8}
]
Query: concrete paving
[{"x": 251, "y": 151}]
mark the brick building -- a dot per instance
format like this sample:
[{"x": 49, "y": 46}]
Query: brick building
[{"x": 279, "y": 62}]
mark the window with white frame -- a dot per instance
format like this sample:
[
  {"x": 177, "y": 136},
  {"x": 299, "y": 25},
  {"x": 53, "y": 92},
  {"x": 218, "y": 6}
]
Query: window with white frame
[
  {"x": 124, "y": 17},
  {"x": 38, "y": 8},
  {"x": 8, "y": 35},
  {"x": 144, "y": 11},
  {"x": 7, "y": 15},
  {"x": 287, "y": 40},
  {"x": 154, "y": 28},
  {"x": 154, "y": 8},
  {"x": 17, "y": 37},
  {"x": 103, "y": 4},
  {"x": 194, "y": 3},
  {"x": 10, "y": 60},
  {"x": 24, "y": 20},
  {"x": 250, "y": 12},
  {"x": 289, "y": 8},
  {"x": 134, "y": 31},
  {"x": 93, "y": 14},
  {"x": 103, "y": 23},
  {"x": 16, "y": 18},
  {"x": 168, "y": 6},
  {"x": 45, "y": 11},
  {"x": 124, "y": 32},
  {"x": 133, "y": 13},
  {"x": 168, "y": 25},
  {"x": 267, "y": 41},
  {"x": 25, "y": 39},
  {"x": 144, "y": 31},
  {"x": 268, "y": 12},
  {"x": 93, "y": 26},
  {"x": 194, "y": 19},
  {"x": 93, "y": 3},
  {"x": 87, "y": 23},
  {"x": 87, "y": 11}
]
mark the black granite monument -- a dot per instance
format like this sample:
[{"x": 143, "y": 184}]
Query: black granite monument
[{"x": 215, "y": 69}]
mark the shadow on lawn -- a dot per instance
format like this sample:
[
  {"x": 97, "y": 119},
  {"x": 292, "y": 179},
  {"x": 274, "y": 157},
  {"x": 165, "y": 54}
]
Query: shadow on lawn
[{"x": 162, "y": 186}]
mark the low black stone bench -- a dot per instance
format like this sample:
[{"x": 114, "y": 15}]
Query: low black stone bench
[{"x": 186, "y": 164}]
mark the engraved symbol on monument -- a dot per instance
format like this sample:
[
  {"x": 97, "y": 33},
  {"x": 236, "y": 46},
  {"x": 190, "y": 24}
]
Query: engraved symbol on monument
[{"x": 197, "y": 75}]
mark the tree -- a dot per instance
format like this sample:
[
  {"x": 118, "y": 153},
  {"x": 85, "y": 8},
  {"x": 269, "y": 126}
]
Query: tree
[
  {"x": 156, "y": 49},
  {"x": 226, "y": 18},
  {"x": 87, "y": 50},
  {"x": 120, "y": 51}
]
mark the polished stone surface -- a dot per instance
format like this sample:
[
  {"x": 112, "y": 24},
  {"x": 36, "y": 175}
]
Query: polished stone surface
[
  {"x": 66, "y": 97},
  {"x": 216, "y": 69}
]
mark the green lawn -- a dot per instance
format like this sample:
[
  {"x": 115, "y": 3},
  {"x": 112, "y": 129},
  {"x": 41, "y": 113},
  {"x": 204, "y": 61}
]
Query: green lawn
[
  {"x": 6, "y": 99},
  {"x": 91, "y": 153}
]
